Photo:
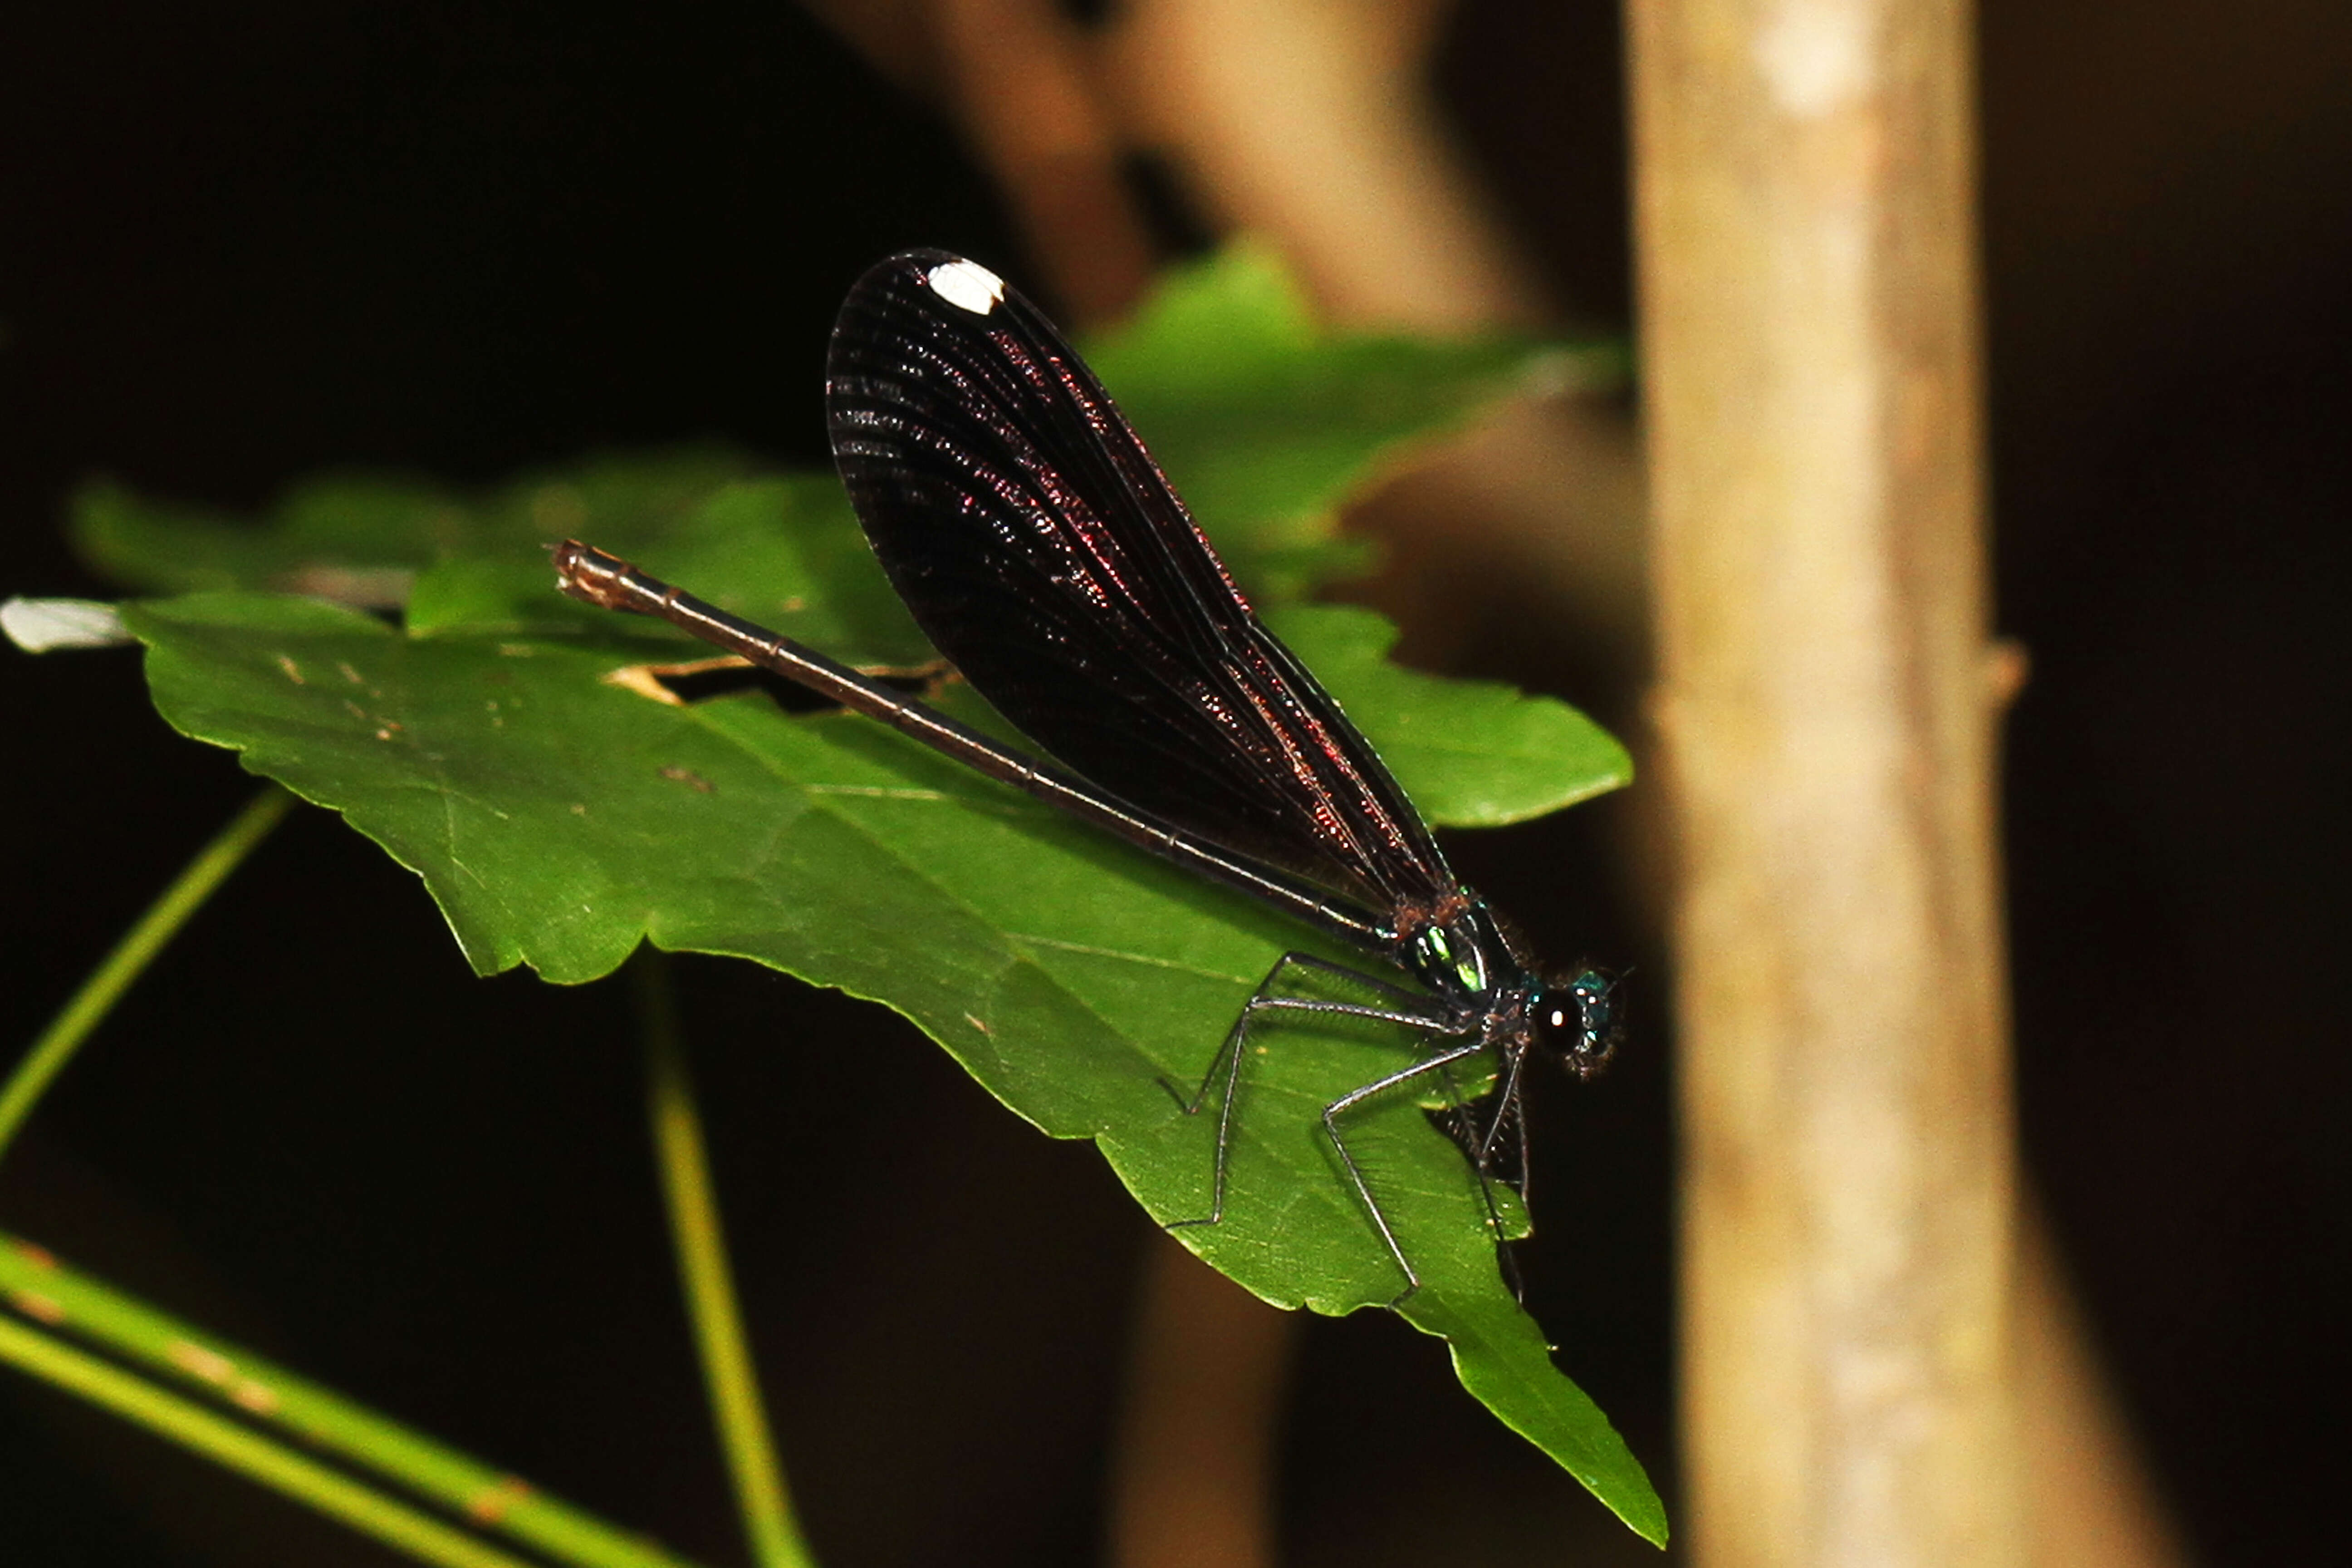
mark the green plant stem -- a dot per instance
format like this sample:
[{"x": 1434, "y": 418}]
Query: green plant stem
[
  {"x": 62, "y": 1298},
  {"x": 132, "y": 954},
  {"x": 249, "y": 1453},
  {"x": 709, "y": 1281}
]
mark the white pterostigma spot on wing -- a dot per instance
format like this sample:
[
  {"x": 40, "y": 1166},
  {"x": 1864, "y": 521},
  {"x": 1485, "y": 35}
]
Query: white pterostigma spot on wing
[{"x": 968, "y": 285}]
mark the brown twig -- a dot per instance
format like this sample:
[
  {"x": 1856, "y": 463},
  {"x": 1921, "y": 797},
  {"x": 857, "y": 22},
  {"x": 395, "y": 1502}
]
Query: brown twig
[
  {"x": 1308, "y": 120},
  {"x": 1192, "y": 1471},
  {"x": 1018, "y": 74},
  {"x": 1805, "y": 199},
  {"x": 2086, "y": 1487},
  {"x": 1020, "y": 77}
]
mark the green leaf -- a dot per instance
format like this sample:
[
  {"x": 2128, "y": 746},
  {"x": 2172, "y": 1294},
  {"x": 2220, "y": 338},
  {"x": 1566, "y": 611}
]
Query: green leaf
[
  {"x": 784, "y": 549},
  {"x": 559, "y": 817},
  {"x": 362, "y": 539},
  {"x": 1472, "y": 754}
]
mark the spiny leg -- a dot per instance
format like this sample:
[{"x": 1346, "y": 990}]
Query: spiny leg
[
  {"x": 1481, "y": 1152},
  {"x": 1441, "y": 1063},
  {"x": 1511, "y": 1107},
  {"x": 1408, "y": 999},
  {"x": 1416, "y": 1011}
]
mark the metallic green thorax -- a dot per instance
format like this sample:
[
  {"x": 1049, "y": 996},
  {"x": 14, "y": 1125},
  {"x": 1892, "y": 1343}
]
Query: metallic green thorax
[{"x": 1458, "y": 958}]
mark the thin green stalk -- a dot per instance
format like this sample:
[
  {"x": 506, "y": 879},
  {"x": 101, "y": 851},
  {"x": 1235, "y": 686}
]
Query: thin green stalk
[
  {"x": 61, "y": 1297},
  {"x": 249, "y": 1453},
  {"x": 709, "y": 1281},
  {"x": 132, "y": 954}
]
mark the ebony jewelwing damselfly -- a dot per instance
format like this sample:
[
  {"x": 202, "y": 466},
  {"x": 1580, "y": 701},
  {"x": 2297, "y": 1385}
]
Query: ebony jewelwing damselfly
[{"x": 1042, "y": 552}]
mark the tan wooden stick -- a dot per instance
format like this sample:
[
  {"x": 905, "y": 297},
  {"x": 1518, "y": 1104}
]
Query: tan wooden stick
[{"x": 1805, "y": 195}]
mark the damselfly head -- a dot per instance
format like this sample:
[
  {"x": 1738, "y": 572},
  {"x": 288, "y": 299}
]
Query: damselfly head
[{"x": 1578, "y": 1022}]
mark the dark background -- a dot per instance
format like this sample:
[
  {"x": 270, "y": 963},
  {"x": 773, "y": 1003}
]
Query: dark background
[{"x": 242, "y": 242}]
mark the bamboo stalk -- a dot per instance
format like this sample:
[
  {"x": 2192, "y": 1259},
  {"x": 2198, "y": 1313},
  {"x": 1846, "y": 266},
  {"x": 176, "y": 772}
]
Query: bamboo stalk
[{"x": 1804, "y": 179}]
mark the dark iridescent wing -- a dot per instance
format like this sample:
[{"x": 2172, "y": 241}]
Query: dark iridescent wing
[{"x": 1043, "y": 551}]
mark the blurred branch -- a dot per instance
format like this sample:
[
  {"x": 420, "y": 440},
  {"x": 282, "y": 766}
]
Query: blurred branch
[
  {"x": 1310, "y": 122},
  {"x": 397, "y": 1525},
  {"x": 2086, "y": 1490},
  {"x": 253, "y": 1417},
  {"x": 1805, "y": 182},
  {"x": 893, "y": 35},
  {"x": 708, "y": 1279},
  {"x": 1192, "y": 1472},
  {"x": 1018, "y": 75},
  {"x": 173, "y": 909}
]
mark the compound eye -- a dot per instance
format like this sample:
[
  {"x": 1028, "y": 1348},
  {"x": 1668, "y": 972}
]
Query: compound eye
[
  {"x": 1559, "y": 1024},
  {"x": 1598, "y": 1019}
]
